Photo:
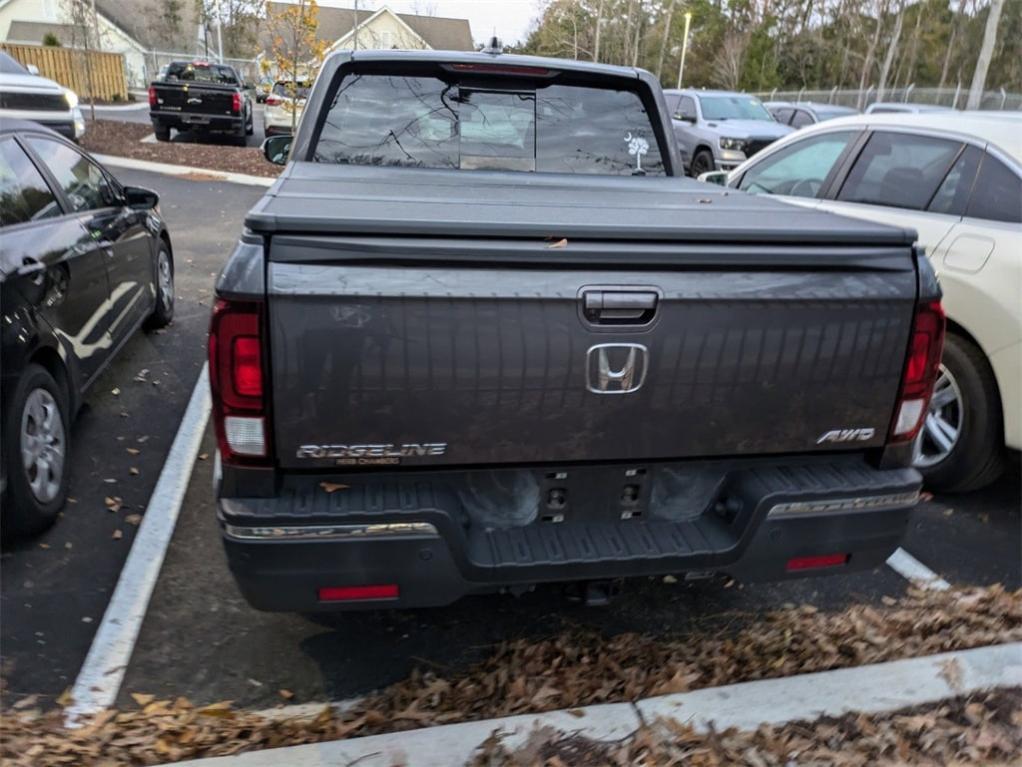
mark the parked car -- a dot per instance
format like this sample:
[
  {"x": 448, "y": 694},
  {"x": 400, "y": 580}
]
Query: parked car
[
  {"x": 263, "y": 88},
  {"x": 956, "y": 178},
  {"x": 802, "y": 113},
  {"x": 24, "y": 95},
  {"x": 476, "y": 338},
  {"x": 720, "y": 129},
  {"x": 203, "y": 97},
  {"x": 284, "y": 106},
  {"x": 890, "y": 107},
  {"x": 85, "y": 262}
]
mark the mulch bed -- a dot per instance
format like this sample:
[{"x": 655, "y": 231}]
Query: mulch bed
[
  {"x": 565, "y": 671},
  {"x": 984, "y": 729},
  {"x": 124, "y": 139}
]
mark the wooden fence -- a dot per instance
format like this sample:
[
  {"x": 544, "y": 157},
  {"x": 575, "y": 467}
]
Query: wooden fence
[{"x": 67, "y": 66}]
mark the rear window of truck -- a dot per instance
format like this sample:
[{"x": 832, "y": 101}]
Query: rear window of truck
[
  {"x": 196, "y": 72},
  {"x": 426, "y": 122}
]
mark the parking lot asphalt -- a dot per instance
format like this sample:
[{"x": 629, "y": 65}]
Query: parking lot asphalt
[
  {"x": 54, "y": 588},
  {"x": 199, "y": 638}
]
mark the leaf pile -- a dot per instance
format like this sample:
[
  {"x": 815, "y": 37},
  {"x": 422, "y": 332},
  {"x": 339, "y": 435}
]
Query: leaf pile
[
  {"x": 984, "y": 729},
  {"x": 568, "y": 670}
]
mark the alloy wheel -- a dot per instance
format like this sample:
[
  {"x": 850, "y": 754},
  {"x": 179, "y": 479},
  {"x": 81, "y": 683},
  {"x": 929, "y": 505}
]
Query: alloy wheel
[
  {"x": 943, "y": 425},
  {"x": 43, "y": 444},
  {"x": 166, "y": 280}
]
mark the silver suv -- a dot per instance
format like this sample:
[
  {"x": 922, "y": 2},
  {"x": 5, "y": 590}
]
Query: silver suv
[{"x": 719, "y": 130}]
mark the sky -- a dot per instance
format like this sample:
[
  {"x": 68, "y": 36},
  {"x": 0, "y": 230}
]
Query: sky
[{"x": 509, "y": 18}]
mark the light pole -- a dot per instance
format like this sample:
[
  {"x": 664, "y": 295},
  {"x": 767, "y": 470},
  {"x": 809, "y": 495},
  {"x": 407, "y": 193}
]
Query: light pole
[
  {"x": 219, "y": 33},
  {"x": 684, "y": 47}
]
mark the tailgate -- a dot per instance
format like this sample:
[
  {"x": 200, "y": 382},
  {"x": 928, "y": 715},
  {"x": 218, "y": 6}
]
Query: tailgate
[
  {"x": 383, "y": 361},
  {"x": 195, "y": 99}
]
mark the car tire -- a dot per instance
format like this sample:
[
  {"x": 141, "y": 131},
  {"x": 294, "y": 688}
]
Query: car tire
[
  {"x": 162, "y": 132},
  {"x": 163, "y": 313},
  {"x": 976, "y": 456},
  {"x": 702, "y": 162},
  {"x": 250, "y": 125},
  {"x": 36, "y": 418}
]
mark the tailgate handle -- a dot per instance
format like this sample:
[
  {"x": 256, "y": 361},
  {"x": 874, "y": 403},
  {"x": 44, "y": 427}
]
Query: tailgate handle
[{"x": 619, "y": 307}]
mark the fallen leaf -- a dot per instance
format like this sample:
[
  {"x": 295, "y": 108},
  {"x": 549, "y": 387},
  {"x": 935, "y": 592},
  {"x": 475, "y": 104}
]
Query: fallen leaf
[
  {"x": 133, "y": 450},
  {"x": 116, "y": 392},
  {"x": 133, "y": 471},
  {"x": 117, "y": 535},
  {"x": 285, "y": 694},
  {"x": 203, "y": 456},
  {"x": 951, "y": 672},
  {"x": 64, "y": 699},
  {"x": 670, "y": 579},
  {"x": 332, "y": 487},
  {"x": 561, "y": 243},
  {"x": 142, "y": 699},
  {"x": 133, "y": 519}
]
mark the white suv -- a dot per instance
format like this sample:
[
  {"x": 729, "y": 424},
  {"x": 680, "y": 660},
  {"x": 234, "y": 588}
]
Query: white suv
[
  {"x": 956, "y": 178},
  {"x": 24, "y": 95}
]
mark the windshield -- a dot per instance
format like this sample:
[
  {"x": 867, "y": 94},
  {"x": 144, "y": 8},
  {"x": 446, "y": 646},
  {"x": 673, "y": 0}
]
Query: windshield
[
  {"x": 427, "y": 122},
  {"x": 201, "y": 73},
  {"x": 9, "y": 66},
  {"x": 736, "y": 107}
]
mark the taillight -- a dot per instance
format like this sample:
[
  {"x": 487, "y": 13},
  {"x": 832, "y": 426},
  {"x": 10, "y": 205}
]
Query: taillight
[
  {"x": 237, "y": 375},
  {"x": 236, "y": 102},
  {"x": 152, "y": 96},
  {"x": 921, "y": 368},
  {"x": 274, "y": 101}
]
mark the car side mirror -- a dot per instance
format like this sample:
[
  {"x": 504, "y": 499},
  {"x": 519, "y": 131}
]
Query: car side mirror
[
  {"x": 140, "y": 198},
  {"x": 32, "y": 69},
  {"x": 718, "y": 177},
  {"x": 685, "y": 118},
  {"x": 277, "y": 148}
]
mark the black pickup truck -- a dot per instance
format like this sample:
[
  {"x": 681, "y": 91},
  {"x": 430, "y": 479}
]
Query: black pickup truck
[
  {"x": 476, "y": 337},
  {"x": 203, "y": 97}
]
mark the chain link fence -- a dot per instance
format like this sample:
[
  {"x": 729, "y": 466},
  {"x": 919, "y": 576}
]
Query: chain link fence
[{"x": 860, "y": 99}]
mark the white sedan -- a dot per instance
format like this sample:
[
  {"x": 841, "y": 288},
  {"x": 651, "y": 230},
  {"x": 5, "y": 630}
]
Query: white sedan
[{"x": 956, "y": 178}]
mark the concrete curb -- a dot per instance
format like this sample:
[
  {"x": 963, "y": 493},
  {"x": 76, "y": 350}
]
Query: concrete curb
[
  {"x": 868, "y": 689},
  {"x": 207, "y": 174}
]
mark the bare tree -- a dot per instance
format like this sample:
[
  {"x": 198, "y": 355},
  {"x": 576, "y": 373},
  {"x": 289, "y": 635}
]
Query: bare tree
[
  {"x": 730, "y": 58},
  {"x": 665, "y": 39},
  {"x": 986, "y": 52},
  {"x": 867, "y": 64},
  {"x": 892, "y": 47},
  {"x": 598, "y": 28}
]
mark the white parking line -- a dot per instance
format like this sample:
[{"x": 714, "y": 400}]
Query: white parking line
[
  {"x": 100, "y": 677},
  {"x": 183, "y": 170},
  {"x": 911, "y": 568}
]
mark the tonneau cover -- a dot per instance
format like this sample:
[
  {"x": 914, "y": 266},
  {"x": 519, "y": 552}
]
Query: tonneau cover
[{"x": 349, "y": 199}]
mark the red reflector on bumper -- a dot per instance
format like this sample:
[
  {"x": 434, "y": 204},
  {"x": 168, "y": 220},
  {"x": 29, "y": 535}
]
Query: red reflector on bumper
[
  {"x": 811, "y": 563},
  {"x": 354, "y": 593}
]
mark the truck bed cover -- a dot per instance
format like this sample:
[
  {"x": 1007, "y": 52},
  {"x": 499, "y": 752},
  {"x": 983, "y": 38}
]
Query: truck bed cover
[{"x": 348, "y": 199}]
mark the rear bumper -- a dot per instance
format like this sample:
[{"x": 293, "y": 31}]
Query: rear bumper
[
  {"x": 413, "y": 532},
  {"x": 183, "y": 121}
]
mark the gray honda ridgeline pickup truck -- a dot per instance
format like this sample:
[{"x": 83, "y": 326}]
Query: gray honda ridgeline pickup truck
[{"x": 476, "y": 338}]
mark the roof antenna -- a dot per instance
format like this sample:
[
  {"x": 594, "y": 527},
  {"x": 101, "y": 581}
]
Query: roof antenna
[{"x": 495, "y": 47}]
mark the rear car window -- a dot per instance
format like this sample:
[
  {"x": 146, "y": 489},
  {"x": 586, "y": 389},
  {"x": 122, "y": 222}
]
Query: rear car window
[
  {"x": 899, "y": 170},
  {"x": 201, "y": 73},
  {"x": 288, "y": 88},
  {"x": 426, "y": 122},
  {"x": 24, "y": 195},
  {"x": 997, "y": 194}
]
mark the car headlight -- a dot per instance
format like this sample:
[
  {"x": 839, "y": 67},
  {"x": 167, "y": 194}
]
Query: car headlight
[
  {"x": 737, "y": 144},
  {"x": 71, "y": 98}
]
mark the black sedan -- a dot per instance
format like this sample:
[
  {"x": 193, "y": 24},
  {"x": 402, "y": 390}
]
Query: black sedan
[{"x": 84, "y": 263}]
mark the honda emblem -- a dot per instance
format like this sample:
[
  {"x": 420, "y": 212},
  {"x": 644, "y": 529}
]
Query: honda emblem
[{"x": 616, "y": 368}]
